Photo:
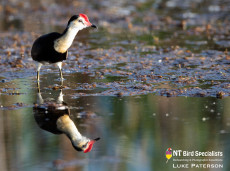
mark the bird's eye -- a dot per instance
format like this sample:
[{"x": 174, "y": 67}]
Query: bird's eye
[
  {"x": 80, "y": 21},
  {"x": 84, "y": 146}
]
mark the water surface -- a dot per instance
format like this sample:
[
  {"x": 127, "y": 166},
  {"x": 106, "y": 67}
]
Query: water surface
[{"x": 154, "y": 75}]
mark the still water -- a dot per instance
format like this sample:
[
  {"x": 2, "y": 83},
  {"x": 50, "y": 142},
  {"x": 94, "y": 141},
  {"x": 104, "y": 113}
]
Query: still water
[
  {"x": 112, "y": 77},
  {"x": 135, "y": 131}
]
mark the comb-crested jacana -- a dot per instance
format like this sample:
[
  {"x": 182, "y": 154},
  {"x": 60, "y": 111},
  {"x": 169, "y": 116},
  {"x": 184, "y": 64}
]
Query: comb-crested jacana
[
  {"x": 55, "y": 118},
  {"x": 53, "y": 48}
]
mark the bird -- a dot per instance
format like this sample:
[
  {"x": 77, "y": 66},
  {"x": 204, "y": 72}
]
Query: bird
[
  {"x": 54, "y": 117},
  {"x": 52, "y": 48},
  {"x": 168, "y": 154}
]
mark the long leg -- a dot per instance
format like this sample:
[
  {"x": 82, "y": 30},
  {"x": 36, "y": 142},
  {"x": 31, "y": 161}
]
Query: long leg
[
  {"x": 60, "y": 98},
  {"x": 38, "y": 76},
  {"x": 59, "y": 64},
  {"x": 60, "y": 70},
  {"x": 38, "y": 86},
  {"x": 39, "y": 65},
  {"x": 39, "y": 98}
]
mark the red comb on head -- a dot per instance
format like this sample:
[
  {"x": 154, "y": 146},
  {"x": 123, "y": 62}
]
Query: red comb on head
[
  {"x": 85, "y": 17},
  {"x": 90, "y": 146}
]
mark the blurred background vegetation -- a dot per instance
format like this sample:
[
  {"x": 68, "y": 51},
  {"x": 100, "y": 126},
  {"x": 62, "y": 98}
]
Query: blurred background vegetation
[{"x": 136, "y": 130}]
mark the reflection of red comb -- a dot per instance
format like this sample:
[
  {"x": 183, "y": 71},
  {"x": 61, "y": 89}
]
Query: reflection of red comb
[{"x": 90, "y": 145}]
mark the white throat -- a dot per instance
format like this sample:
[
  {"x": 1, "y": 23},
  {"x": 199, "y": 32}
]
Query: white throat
[
  {"x": 67, "y": 126},
  {"x": 63, "y": 43}
]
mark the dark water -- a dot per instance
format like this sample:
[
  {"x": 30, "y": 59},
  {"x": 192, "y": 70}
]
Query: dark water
[
  {"x": 135, "y": 131},
  {"x": 117, "y": 80}
]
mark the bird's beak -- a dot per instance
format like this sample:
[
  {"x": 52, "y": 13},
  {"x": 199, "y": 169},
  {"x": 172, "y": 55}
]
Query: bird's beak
[
  {"x": 96, "y": 139},
  {"x": 90, "y": 145},
  {"x": 88, "y": 24},
  {"x": 94, "y": 26}
]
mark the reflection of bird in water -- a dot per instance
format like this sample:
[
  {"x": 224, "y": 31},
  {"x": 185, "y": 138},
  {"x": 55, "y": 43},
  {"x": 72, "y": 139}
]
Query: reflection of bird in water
[
  {"x": 54, "y": 117},
  {"x": 52, "y": 48}
]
